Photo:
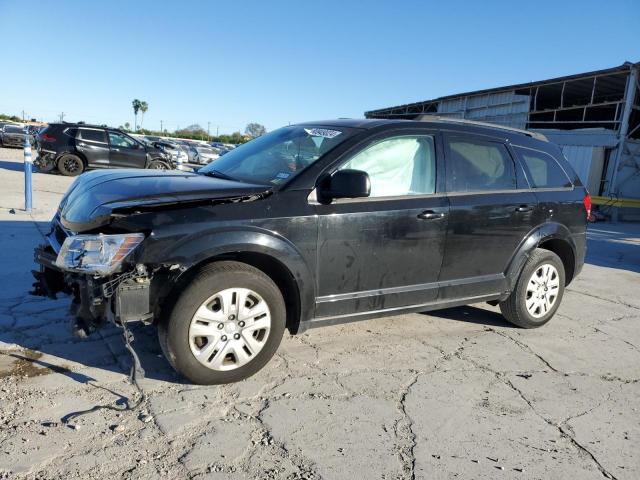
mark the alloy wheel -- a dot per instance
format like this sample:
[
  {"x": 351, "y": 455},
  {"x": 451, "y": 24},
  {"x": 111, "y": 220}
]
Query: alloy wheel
[{"x": 71, "y": 164}]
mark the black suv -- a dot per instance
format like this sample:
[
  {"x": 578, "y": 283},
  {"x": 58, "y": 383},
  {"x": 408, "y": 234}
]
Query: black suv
[
  {"x": 317, "y": 224},
  {"x": 74, "y": 147}
]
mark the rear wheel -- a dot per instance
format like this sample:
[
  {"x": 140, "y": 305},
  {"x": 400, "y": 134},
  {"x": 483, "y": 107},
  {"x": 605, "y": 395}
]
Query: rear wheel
[
  {"x": 538, "y": 292},
  {"x": 70, "y": 165},
  {"x": 225, "y": 326}
]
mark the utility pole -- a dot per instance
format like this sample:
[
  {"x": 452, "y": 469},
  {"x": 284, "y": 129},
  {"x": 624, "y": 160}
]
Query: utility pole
[
  {"x": 208, "y": 136},
  {"x": 22, "y": 116},
  {"x": 161, "y": 130},
  {"x": 217, "y": 130},
  {"x": 61, "y": 117}
]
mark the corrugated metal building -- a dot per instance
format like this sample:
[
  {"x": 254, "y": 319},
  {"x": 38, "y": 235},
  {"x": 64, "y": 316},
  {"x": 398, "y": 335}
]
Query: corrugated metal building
[{"x": 593, "y": 116}]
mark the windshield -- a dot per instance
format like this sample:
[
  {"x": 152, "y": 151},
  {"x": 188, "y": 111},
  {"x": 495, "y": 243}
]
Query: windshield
[{"x": 278, "y": 156}]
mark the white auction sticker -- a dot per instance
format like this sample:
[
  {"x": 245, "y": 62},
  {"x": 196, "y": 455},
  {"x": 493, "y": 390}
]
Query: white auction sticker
[{"x": 322, "y": 132}]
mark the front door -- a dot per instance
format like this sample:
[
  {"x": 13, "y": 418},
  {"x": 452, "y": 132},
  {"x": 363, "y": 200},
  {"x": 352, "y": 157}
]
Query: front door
[
  {"x": 126, "y": 152},
  {"x": 384, "y": 252},
  {"x": 492, "y": 210}
]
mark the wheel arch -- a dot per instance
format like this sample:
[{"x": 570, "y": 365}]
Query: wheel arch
[
  {"x": 274, "y": 256},
  {"x": 551, "y": 236}
]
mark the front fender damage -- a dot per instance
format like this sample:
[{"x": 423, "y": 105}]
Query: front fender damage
[{"x": 118, "y": 298}]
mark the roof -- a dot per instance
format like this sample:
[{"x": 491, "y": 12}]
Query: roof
[
  {"x": 82, "y": 124},
  {"x": 365, "y": 124},
  {"x": 626, "y": 66}
]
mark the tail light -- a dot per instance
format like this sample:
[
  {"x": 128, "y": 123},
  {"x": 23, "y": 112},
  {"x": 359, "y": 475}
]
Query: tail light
[
  {"x": 47, "y": 138},
  {"x": 586, "y": 201}
]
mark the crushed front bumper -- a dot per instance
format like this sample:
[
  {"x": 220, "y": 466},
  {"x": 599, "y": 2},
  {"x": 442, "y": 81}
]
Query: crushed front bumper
[{"x": 120, "y": 297}]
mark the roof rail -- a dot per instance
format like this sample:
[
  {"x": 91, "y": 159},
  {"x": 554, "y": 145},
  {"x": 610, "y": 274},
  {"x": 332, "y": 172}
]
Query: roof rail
[{"x": 439, "y": 118}]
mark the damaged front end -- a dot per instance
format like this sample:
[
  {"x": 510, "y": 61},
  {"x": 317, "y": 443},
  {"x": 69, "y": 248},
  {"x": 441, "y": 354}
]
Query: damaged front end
[{"x": 98, "y": 272}]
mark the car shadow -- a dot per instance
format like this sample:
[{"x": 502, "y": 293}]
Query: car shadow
[
  {"x": 103, "y": 350},
  {"x": 472, "y": 314}
]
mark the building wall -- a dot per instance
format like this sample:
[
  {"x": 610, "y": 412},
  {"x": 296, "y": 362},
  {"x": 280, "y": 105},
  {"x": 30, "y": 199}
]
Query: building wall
[{"x": 503, "y": 108}]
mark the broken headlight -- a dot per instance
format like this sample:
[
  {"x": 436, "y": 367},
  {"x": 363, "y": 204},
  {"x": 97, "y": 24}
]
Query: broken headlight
[{"x": 96, "y": 254}]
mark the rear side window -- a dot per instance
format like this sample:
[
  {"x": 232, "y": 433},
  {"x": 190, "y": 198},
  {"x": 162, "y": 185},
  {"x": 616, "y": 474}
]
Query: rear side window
[
  {"x": 542, "y": 169},
  {"x": 92, "y": 135},
  {"x": 477, "y": 165},
  {"x": 72, "y": 132}
]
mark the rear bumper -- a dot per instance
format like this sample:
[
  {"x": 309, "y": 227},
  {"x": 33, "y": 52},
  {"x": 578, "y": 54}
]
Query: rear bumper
[{"x": 580, "y": 252}]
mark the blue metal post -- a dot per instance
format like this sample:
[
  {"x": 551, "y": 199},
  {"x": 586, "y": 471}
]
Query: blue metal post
[{"x": 28, "y": 167}]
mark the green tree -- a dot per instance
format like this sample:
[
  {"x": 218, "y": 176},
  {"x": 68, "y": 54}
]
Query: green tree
[
  {"x": 255, "y": 130},
  {"x": 144, "y": 106},
  {"x": 136, "y": 104}
]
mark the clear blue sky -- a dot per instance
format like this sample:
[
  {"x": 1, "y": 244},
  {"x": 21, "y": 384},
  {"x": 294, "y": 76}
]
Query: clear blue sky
[{"x": 276, "y": 62}]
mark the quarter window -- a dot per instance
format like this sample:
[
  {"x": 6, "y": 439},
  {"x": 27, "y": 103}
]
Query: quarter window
[
  {"x": 476, "y": 165},
  {"x": 542, "y": 169},
  {"x": 92, "y": 135},
  {"x": 398, "y": 166}
]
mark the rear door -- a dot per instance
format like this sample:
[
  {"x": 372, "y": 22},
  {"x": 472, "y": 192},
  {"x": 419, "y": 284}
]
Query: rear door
[
  {"x": 491, "y": 211},
  {"x": 92, "y": 143},
  {"x": 125, "y": 151}
]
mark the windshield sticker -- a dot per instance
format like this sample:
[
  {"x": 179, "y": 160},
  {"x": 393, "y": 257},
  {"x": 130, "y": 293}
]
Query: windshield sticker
[
  {"x": 283, "y": 175},
  {"x": 322, "y": 132}
]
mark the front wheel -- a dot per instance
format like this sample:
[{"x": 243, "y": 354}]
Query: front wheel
[
  {"x": 225, "y": 326},
  {"x": 538, "y": 292},
  {"x": 158, "y": 165}
]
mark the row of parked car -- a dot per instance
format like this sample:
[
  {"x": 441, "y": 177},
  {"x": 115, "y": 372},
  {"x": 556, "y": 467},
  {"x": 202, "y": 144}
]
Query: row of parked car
[
  {"x": 72, "y": 148},
  {"x": 13, "y": 134},
  {"x": 188, "y": 151}
]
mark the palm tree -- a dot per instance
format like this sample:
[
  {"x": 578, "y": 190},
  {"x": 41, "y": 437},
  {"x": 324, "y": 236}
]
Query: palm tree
[
  {"x": 144, "y": 106},
  {"x": 136, "y": 104}
]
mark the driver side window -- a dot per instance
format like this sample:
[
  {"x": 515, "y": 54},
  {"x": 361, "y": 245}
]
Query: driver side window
[
  {"x": 119, "y": 140},
  {"x": 398, "y": 166}
]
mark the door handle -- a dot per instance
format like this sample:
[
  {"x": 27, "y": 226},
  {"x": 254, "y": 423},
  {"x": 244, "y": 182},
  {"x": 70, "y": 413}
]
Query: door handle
[
  {"x": 430, "y": 215},
  {"x": 115, "y": 149},
  {"x": 81, "y": 144},
  {"x": 524, "y": 208}
]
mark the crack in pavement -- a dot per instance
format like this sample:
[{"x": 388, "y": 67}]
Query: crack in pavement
[
  {"x": 404, "y": 433},
  {"x": 563, "y": 433},
  {"x": 628, "y": 305}
]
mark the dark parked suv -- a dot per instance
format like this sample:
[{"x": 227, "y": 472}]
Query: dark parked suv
[
  {"x": 74, "y": 147},
  {"x": 317, "y": 224}
]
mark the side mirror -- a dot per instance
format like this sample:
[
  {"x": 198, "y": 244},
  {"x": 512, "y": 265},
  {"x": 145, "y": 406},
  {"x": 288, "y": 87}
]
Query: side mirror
[{"x": 347, "y": 184}]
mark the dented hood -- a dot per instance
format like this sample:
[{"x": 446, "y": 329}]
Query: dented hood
[{"x": 95, "y": 196}]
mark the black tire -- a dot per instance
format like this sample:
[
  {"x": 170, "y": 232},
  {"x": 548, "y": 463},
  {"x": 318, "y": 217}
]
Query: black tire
[
  {"x": 173, "y": 329},
  {"x": 158, "y": 165},
  {"x": 70, "y": 165},
  {"x": 514, "y": 308}
]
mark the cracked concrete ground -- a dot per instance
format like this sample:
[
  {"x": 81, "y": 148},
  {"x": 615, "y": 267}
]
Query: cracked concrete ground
[{"x": 457, "y": 393}]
